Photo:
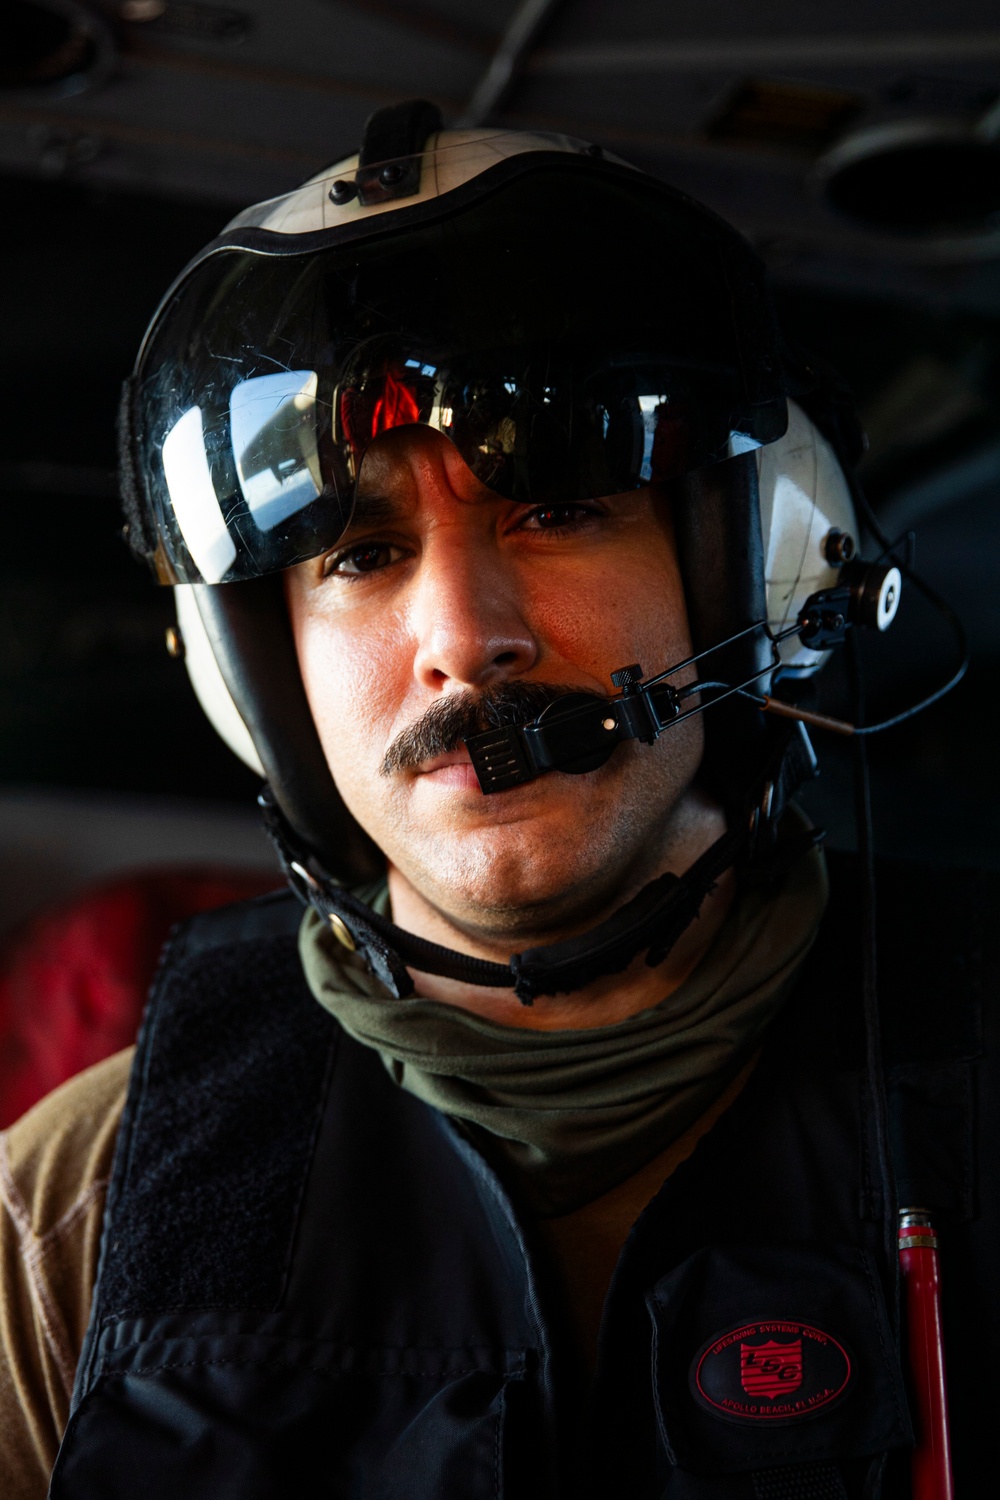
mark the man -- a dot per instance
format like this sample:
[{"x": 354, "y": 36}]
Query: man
[{"x": 577, "y": 1176}]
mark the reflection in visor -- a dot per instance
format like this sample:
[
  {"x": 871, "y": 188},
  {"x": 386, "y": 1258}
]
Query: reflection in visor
[
  {"x": 272, "y": 419},
  {"x": 378, "y": 405},
  {"x": 632, "y": 437},
  {"x": 665, "y": 438},
  {"x": 192, "y": 493}
]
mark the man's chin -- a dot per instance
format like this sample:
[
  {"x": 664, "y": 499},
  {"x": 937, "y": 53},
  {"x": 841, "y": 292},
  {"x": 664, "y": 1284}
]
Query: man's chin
[{"x": 526, "y": 888}]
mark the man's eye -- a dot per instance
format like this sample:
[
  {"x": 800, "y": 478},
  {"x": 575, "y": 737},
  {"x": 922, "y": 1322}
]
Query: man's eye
[
  {"x": 368, "y": 557},
  {"x": 552, "y": 517}
]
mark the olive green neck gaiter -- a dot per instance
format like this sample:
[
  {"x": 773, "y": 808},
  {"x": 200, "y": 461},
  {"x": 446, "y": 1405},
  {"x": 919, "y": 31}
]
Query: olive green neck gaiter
[{"x": 573, "y": 1113}]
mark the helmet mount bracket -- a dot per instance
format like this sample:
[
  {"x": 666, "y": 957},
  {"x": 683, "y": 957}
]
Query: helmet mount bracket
[{"x": 389, "y": 161}]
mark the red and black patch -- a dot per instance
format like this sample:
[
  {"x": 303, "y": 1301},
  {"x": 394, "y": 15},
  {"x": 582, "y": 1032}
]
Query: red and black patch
[{"x": 776, "y": 1370}]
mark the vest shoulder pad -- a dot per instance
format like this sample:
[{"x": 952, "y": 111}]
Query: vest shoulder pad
[{"x": 276, "y": 914}]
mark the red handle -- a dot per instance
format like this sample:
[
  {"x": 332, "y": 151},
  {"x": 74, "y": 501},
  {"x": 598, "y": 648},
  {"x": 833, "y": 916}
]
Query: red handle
[{"x": 918, "y": 1263}]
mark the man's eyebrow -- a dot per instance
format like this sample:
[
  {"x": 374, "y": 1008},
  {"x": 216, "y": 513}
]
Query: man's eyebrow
[{"x": 373, "y": 511}]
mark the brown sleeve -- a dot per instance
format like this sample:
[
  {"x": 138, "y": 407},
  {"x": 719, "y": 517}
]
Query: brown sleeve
[{"x": 54, "y": 1166}]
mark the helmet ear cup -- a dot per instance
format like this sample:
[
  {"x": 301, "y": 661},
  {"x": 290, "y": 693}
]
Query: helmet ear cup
[
  {"x": 752, "y": 537},
  {"x": 249, "y": 636},
  {"x": 207, "y": 681},
  {"x": 720, "y": 547},
  {"x": 804, "y": 497}
]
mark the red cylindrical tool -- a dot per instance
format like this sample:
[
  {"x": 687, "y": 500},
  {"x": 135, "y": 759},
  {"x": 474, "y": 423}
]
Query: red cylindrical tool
[{"x": 918, "y": 1263}]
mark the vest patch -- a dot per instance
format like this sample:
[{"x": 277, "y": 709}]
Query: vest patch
[{"x": 777, "y": 1370}]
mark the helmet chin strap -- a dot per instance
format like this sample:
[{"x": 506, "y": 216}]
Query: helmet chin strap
[{"x": 651, "y": 922}]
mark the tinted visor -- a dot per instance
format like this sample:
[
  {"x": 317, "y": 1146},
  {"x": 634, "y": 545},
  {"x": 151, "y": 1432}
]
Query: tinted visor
[{"x": 574, "y": 330}]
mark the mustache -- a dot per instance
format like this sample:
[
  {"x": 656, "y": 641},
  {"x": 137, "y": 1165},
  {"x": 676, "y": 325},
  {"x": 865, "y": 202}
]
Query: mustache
[{"x": 449, "y": 722}]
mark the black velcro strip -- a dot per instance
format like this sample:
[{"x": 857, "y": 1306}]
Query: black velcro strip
[{"x": 203, "y": 1202}]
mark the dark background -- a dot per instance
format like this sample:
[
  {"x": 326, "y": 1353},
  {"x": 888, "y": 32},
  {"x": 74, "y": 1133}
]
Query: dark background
[{"x": 129, "y": 134}]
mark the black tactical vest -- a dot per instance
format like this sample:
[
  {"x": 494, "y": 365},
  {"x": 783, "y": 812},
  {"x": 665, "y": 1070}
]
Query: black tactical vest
[{"x": 312, "y": 1284}]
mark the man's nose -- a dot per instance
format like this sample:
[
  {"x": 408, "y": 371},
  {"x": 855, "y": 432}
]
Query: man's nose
[{"x": 467, "y": 616}]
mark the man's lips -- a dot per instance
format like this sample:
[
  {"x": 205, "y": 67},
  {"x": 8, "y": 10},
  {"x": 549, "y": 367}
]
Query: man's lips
[
  {"x": 451, "y": 770},
  {"x": 440, "y": 762}
]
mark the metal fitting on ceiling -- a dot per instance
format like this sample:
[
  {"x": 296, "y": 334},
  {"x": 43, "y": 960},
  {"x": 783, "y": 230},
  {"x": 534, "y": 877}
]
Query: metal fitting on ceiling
[
  {"x": 934, "y": 183},
  {"x": 52, "y": 47}
]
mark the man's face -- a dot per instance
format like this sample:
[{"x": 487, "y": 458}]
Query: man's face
[{"x": 441, "y": 589}]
